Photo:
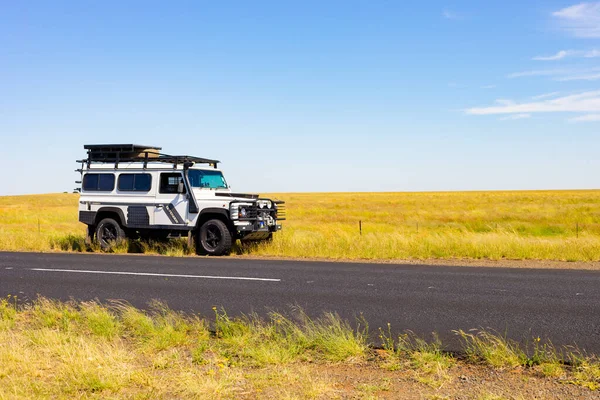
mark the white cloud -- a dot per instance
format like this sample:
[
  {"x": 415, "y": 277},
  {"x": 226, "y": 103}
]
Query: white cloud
[
  {"x": 566, "y": 74},
  {"x": 488, "y": 87},
  {"x": 586, "y": 118},
  {"x": 545, "y": 95},
  {"x": 539, "y": 72},
  {"x": 581, "y": 20},
  {"x": 558, "y": 56},
  {"x": 515, "y": 117},
  {"x": 586, "y": 102},
  {"x": 569, "y": 53}
]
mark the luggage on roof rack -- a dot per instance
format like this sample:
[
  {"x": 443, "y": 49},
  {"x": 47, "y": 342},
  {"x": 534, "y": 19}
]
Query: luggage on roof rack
[
  {"x": 112, "y": 152},
  {"x": 116, "y": 153}
]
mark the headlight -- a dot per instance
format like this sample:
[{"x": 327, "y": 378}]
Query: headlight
[
  {"x": 243, "y": 212},
  {"x": 264, "y": 204}
]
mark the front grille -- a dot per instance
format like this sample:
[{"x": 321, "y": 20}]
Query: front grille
[
  {"x": 253, "y": 212},
  {"x": 280, "y": 211}
]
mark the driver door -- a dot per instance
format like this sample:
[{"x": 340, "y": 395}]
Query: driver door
[{"x": 171, "y": 207}]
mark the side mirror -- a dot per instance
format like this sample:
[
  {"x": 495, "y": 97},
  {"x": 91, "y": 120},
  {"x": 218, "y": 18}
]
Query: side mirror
[{"x": 180, "y": 188}]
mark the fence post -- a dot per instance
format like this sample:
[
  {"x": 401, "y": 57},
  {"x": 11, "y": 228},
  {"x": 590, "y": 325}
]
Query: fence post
[
  {"x": 360, "y": 226},
  {"x": 577, "y": 229}
]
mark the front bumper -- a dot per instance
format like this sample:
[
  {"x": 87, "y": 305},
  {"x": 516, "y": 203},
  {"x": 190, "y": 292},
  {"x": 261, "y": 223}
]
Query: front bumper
[
  {"x": 256, "y": 226},
  {"x": 254, "y": 222},
  {"x": 255, "y": 231}
]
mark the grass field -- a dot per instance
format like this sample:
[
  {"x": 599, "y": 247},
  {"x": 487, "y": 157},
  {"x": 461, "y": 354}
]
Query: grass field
[
  {"x": 544, "y": 225},
  {"x": 50, "y": 349}
]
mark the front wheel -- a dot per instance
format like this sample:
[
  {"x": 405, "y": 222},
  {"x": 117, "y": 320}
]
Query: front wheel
[
  {"x": 214, "y": 238},
  {"x": 109, "y": 233}
]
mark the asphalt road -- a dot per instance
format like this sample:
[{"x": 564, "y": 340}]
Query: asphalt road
[{"x": 562, "y": 305}]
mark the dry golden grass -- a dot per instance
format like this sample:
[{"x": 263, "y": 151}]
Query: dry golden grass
[
  {"x": 545, "y": 225},
  {"x": 32, "y": 222},
  {"x": 57, "y": 350},
  {"x": 495, "y": 225},
  {"x": 50, "y": 349}
]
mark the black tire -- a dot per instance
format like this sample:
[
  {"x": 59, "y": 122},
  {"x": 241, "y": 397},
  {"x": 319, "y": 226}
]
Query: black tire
[
  {"x": 214, "y": 239},
  {"x": 109, "y": 233}
]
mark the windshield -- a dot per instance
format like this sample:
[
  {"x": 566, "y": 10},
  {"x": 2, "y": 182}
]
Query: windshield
[{"x": 205, "y": 178}]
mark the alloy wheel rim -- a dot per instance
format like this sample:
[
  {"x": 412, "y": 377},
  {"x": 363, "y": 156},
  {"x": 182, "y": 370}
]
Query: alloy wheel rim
[
  {"x": 109, "y": 234},
  {"x": 213, "y": 236}
]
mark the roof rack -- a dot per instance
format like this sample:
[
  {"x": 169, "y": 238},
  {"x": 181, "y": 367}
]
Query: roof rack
[{"x": 116, "y": 153}]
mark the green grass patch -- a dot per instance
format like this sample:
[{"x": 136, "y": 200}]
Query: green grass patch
[
  {"x": 280, "y": 339},
  {"x": 427, "y": 359},
  {"x": 52, "y": 349}
]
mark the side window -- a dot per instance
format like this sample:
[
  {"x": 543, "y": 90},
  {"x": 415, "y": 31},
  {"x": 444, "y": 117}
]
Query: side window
[
  {"x": 169, "y": 182},
  {"x": 99, "y": 182},
  {"x": 135, "y": 182}
]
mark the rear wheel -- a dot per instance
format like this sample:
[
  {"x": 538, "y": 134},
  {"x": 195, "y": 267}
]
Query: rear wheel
[
  {"x": 109, "y": 233},
  {"x": 214, "y": 238}
]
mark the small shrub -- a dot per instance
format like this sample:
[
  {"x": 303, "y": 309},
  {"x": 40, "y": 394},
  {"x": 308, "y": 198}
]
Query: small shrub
[
  {"x": 163, "y": 328},
  {"x": 198, "y": 353},
  {"x": 137, "y": 323},
  {"x": 54, "y": 314},
  {"x": 552, "y": 370},
  {"x": 493, "y": 350},
  {"x": 278, "y": 340},
  {"x": 70, "y": 242},
  {"x": 335, "y": 339},
  {"x": 8, "y": 312},
  {"x": 252, "y": 340},
  {"x": 426, "y": 358},
  {"x": 586, "y": 370},
  {"x": 100, "y": 321}
]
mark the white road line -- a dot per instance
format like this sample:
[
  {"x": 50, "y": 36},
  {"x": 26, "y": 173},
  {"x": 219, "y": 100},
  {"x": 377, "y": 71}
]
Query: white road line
[{"x": 83, "y": 271}]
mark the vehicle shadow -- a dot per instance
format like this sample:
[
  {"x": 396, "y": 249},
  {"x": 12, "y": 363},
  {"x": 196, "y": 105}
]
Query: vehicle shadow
[{"x": 170, "y": 247}]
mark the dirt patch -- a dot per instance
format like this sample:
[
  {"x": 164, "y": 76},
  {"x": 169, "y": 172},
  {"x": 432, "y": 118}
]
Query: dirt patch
[
  {"x": 456, "y": 262},
  {"x": 464, "y": 382}
]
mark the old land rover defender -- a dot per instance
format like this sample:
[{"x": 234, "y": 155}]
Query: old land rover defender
[{"x": 133, "y": 191}]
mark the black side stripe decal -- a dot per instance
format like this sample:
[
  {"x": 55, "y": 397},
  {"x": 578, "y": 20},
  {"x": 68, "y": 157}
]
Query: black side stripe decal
[{"x": 172, "y": 214}]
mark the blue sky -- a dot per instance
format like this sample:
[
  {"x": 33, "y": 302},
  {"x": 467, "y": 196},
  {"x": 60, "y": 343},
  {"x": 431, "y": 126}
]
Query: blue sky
[{"x": 308, "y": 96}]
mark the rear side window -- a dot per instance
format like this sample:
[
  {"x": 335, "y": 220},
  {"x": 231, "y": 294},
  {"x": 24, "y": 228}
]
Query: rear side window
[
  {"x": 169, "y": 182},
  {"x": 135, "y": 182},
  {"x": 99, "y": 182}
]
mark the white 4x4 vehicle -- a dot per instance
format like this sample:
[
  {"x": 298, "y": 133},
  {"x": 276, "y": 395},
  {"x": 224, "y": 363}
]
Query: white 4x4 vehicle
[{"x": 130, "y": 190}]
